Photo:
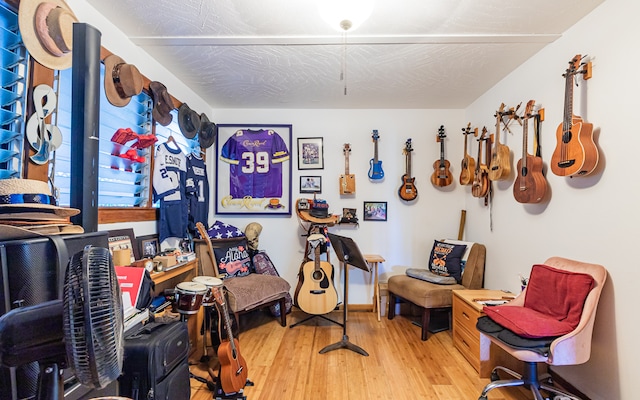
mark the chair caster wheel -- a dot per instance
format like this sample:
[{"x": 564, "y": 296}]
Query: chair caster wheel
[{"x": 494, "y": 376}]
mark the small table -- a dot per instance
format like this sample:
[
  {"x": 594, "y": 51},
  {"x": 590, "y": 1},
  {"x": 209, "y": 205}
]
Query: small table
[{"x": 373, "y": 260}]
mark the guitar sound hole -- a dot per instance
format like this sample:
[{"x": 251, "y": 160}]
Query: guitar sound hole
[
  {"x": 317, "y": 275},
  {"x": 566, "y": 163}
]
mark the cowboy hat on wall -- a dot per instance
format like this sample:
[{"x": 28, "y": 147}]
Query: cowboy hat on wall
[
  {"x": 121, "y": 81},
  {"x": 47, "y": 31}
]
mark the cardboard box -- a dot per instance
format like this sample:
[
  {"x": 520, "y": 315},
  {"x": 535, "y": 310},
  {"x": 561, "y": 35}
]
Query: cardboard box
[{"x": 167, "y": 261}]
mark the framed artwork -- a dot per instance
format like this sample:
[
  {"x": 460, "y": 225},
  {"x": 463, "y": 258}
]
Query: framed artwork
[
  {"x": 123, "y": 239},
  {"x": 375, "y": 210},
  {"x": 310, "y": 184},
  {"x": 253, "y": 169},
  {"x": 310, "y": 153},
  {"x": 148, "y": 245}
]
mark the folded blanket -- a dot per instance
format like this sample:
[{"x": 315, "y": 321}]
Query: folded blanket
[{"x": 247, "y": 292}]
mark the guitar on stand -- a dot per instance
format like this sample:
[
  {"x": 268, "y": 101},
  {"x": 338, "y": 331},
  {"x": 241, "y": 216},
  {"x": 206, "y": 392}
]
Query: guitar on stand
[
  {"x": 576, "y": 153},
  {"x": 408, "y": 190},
  {"x": 233, "y": 367},
  {"x": 375, "y": 165},
  {"x": 468, "y": 163},
  {"x": 530, "y": 185},
  {"x": 441, "y": 175},
  {"x": 500, "y": 166},
  {"x": 347, "y": 181},
  {"x": 316, "y": 293}
]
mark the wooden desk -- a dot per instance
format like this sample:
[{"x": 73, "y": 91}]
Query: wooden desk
[{"x": 373, "y": 260}]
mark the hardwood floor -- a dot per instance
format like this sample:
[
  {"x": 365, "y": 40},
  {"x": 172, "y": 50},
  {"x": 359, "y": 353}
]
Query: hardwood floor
[{"x": 284, "y": 363}]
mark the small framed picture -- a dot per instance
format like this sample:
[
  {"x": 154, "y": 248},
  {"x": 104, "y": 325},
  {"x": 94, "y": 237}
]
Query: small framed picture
[
  {"x": 310, "y": 184},
  {"x": 310, "y": 153},
  {"x": 375, "y": 210},
  {"x": 149, "y": 246}
]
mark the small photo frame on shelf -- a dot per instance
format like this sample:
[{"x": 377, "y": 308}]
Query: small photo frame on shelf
[
  {"x": 375, "y": 210},
  {"x": 310, "y": 184},
  {"x": 310, "y": 153},
  {"x": 122, "y": 239},
  {"x": 149, "y": 246}
]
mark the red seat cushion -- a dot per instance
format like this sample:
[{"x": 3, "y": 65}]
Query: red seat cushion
[{"x": 552, "y": 306}]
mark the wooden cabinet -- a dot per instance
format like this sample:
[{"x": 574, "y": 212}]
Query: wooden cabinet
[{"x": 466, "y": 338}]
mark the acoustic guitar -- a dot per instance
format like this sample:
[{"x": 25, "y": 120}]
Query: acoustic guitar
[
  {"x": 441, "y": 175},
  {"x": 233, "y": 367},
  {"x": 480, "y": 185},
  {"x": 530, "y": 185},
  {"x": 408, "y": 190},
  {"x": 468, "y": 163},
  {"x": 316, "y": 293},
  {"x": 576, "y": 154},
  {"x": 347, "y": 181},
  {"x": 500, "y": 166},
  {"x": 375, "y": 165}
]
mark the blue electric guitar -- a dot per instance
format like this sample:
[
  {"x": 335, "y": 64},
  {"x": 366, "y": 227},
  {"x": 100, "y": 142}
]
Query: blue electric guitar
[{"x": 375, "y": 169}]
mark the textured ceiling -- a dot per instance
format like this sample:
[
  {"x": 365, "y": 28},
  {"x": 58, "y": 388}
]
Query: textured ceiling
[{"x": 281, "y": 54}]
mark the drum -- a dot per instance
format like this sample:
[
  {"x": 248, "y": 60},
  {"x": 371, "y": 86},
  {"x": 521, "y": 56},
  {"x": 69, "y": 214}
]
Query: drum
[
  {"x": 211, "y": 282},
  {"x": 188, "y": 297}
]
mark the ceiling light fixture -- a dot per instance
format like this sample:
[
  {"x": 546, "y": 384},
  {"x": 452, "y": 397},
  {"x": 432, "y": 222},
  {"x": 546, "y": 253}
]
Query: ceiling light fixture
[{"x": 345, "y": 16}]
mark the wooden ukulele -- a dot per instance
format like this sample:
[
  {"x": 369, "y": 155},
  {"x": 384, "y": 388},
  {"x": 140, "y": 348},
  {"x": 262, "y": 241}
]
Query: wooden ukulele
[
  {"x": 233, "y": 367},
  {"x": 347, "y": 181},
  {"x": 530, "y": 185},
  {"x": 468, "y": 163},
  {"x": 316, "y": 294},
  {"x": 576, "y": 153},
  {"x": 500, "y": 166},
  {"x": 408, "y": 190},
  {"x": 441, "y": 175},
  {"x": 375, "y": 165},
  {"x": 480, "y": 186}
]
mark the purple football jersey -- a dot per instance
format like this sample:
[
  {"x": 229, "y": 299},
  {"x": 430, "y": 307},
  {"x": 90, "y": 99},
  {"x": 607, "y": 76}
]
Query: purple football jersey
[{"x": 255, "y": 158}]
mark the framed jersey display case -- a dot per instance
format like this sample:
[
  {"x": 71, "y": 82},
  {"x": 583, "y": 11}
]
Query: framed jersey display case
[{"x": 253, "y": 169}]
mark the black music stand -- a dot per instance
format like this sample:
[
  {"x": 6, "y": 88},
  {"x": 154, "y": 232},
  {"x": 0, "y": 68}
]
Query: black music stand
[{"x": 349, "y": 254}]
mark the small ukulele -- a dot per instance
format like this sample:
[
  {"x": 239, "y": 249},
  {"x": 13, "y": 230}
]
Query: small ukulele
[
  {"x": 408, "y": 190},
  {"x": 441, "y": 175},
  {"x": 500, "y": 166},
  {"x": 576, "y": 153},
  {"x": 480, "y": 186},
  {"x": 468, "y": 163},
  {"x": 347, "y": 181},
  {"x": 530, "y": 185},
  {"x": 233, "y": 367},
  {"x": 375, "y": 165},
  {"x": 316, "y": 294}
]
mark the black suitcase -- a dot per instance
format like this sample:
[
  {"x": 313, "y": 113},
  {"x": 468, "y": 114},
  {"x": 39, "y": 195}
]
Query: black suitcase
[{"x": 156, "y": 363}]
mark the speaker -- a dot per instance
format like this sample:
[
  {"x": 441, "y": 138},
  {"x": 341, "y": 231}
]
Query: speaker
[{"x": 29, "y": 276}]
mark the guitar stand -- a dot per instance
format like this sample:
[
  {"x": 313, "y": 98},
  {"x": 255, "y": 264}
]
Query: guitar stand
[
  {"x": 219, "y": 394},
  {"x": 314, "y": 316}
]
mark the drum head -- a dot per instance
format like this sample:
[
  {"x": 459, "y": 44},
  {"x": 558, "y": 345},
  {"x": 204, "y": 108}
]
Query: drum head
[
  {"x": 191, "y": 287},
  {"x": 209, "y": 281}
]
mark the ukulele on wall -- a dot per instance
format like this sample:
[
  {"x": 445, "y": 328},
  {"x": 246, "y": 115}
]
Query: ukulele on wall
[
  {"x": 441, "y": 175},
  {"x": 347, "y": 181},
  {"x": 233, "y": 367},
  {"x": 480, "y": 186},
  {"x": 576, "y": 154},
  {"x": 375, "y": 165},
  {"x": 316, "y": 293},
  {"x": 468, "y": 163},
  {"x": 408, "y": 190},
  {"x": 500, "y": 166},
  {"x": 530, "y": 185}
]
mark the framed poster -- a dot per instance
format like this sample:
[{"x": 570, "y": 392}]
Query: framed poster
[
  {"x": 375, "y": 210},
  {"x": 121, "y": 239},
  {"x": 310, "y": 153},
  {"x": 310, "y": 184},
  {"x": 253, "y": 169}
]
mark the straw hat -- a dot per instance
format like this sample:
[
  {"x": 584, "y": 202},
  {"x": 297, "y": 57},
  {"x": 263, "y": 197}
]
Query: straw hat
[
  {"x": 208, "y": 132},
  {"x": 9, "y": 232},
  {"x": 121, "y": 81},
  {"x": 189, "y": 121},
  {"x": 30, "y": 195},
  {"x": 47, "y": 31}
]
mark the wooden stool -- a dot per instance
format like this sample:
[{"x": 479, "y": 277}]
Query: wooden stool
[{"x": 373, "y": 260}]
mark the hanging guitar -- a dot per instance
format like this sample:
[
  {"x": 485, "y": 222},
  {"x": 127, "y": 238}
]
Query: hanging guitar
[
  {"x": 375, "y": 165},
  {"x": 480, "y": 185},
  {"x": 530, "y": 185},
  {"x": 576, "y": 154},
  {"x": 500, "y": 166},
  {"x": 408, "y": 190},
  {"x": 441, "y": 175},
  {"x": 347, "y": 181},
  {"x": 468, "y": 163},
  {"x": 233, "y": 367},
  {"x": 316, "y": 294}
]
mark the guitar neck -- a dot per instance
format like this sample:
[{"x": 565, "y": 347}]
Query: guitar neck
[
  {"x": 227, "y": 322},
  {"x": 346, "y": 163},
  {"x": 375, "y": 150},
  {"x": 567, "y": 121},
  {"x": 408, "y": 161},
  {"x": 441, "y": 152}
]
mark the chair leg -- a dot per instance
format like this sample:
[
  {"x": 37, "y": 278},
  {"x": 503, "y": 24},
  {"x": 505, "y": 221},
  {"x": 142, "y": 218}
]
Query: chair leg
[
  {"x": 553, "y": 389},
  {"x": 426, "y": 317},
  {"x": 391, "y": 310},
  {"x": 283, "y": 311}
]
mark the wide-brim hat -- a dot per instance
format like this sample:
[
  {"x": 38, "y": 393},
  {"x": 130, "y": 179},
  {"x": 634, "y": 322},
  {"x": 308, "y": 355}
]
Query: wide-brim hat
[
  {"x": 121, "y": 81},
  {"x": 189, "y": 121},
  {"x": 162, "y": 103},
  {"x": 47, "y": 31},
  {"x": 29, "y": 195},
  {"x": 9, "y": 232},
  {"x": 208, "y": 132}
]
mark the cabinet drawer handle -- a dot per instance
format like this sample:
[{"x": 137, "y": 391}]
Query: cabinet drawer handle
[
  {"x": 465, "y": 343},
  {"x": 464, "y": 314}
]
